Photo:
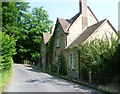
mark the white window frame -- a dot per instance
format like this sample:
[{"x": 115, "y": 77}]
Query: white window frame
[
  {"x": 72, "y": 60},
  {"x": 58, "y": 43}
]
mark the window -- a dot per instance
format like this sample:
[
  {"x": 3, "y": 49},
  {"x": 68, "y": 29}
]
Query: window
[
  {"x": 58, "y": 43},
  {"x": 72, "y": 60}
]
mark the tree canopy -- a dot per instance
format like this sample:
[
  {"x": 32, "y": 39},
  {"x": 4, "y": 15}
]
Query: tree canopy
[{"x": 24, "y": 29}]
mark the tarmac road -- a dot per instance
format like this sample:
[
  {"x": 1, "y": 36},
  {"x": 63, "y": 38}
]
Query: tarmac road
[{"x": 27, "y": 79}]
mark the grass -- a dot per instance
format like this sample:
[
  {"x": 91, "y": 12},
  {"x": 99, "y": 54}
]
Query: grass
[{"x": 4, "y": 78}]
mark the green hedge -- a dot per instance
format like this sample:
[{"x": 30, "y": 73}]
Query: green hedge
[
  {"x": 7, "y": 50},
  {"x": 101, "y": 57}
]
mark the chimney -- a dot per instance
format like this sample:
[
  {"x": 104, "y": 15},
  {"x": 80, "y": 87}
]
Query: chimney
[{"x": 83, "y": 11}]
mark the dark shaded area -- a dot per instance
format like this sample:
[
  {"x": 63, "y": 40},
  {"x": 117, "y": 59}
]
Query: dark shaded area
[
  {"x": 17, "y": 59},
  {"x": 32, "y": 81},
  {"x": 34, "y": 70}
]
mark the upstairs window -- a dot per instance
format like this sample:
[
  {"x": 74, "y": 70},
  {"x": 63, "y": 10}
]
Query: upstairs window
[
  {"x": 72, "y": 60},
  {"x": 58, "y": 43}
]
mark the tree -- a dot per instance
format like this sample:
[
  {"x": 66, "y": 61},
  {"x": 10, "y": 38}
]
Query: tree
[
  {"x": 34, "y": 24},
  {"x": 9, "y": 31},
  {"x": 9, "y": 17},
  {"x": 12, "y": 14},
  {"x": 26, "y": 28}
]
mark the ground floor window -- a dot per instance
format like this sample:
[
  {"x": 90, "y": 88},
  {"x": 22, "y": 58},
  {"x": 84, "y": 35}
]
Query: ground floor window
[{"x": 72, "y": 60}]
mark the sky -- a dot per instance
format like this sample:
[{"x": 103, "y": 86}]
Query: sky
[{"x": 68, "y": 8}]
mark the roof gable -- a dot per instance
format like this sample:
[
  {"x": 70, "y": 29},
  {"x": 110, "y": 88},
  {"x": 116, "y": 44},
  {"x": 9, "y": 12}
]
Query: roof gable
[
  {"x": 87, "y": 33},
  {"x": 64, "y": 23},
  {"x": 92, "y": 13},
  {"x": 46, "y": 37},
  {"x": 67, "y": 23}
]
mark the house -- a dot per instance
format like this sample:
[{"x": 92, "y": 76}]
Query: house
[
  {"x": 44, "y": 58},
  {"x": 81, "y": 28}
]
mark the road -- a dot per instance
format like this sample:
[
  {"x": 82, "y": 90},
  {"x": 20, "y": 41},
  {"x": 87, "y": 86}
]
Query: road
[{"x": 27, "y": 79}]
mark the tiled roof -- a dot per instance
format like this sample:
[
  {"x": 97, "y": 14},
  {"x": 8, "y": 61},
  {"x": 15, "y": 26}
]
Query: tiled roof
[
  {"x": 87, "y": 33},
  {"x": 46, "y": 37},
  {"x": 74, "y": 18},
  {"x": 64, "y": 23}
]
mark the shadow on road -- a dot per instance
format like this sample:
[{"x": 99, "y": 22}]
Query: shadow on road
[
  {"x": 52, "y": 80},
  {"x": 33, "y": 70}
]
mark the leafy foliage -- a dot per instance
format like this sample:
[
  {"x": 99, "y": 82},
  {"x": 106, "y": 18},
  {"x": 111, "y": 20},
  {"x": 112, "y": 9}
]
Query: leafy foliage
[
  {"x": 34, "y": 24},
  {"x": 26, "y": 27},
  {"x": 62, "y": 64},
  {"x": 8, "y": 50},
  {"x": 100, "y": 57},
  {"x": 49, "y": 49}
]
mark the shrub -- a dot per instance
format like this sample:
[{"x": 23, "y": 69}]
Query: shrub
[
  {"x": 101, "y": 58},
  {"x": 8, "y": 50},
  {"x": 62, "y": 64},
  {"x": 53, "y": 68}
]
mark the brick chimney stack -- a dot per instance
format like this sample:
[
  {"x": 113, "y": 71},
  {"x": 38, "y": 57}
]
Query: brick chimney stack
[{"x": 83, "y": 11}]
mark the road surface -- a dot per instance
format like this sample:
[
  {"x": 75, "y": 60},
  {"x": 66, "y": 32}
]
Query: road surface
[{"x": 27, "y": 79}]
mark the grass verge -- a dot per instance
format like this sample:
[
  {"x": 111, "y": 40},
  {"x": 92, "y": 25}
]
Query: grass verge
[{"x": 4, "y": 78}]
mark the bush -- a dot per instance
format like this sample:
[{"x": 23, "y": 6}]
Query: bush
[
  {"x": 62, "y": 64},
  {"x": 6, "y": 61},
  {"x": 8, "y": 49},
  {"x": 53, "y": 68},
  {"x": 101, "y": 57}
]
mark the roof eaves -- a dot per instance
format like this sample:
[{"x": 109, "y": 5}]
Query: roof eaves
[
  {"x": 102, "y": 23},
  {"x": 92, "y": 13},
  {"x": 72, "y": 20},
  {"x": 63, "y": 27},
  {"x": 112, "y": 26}
]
